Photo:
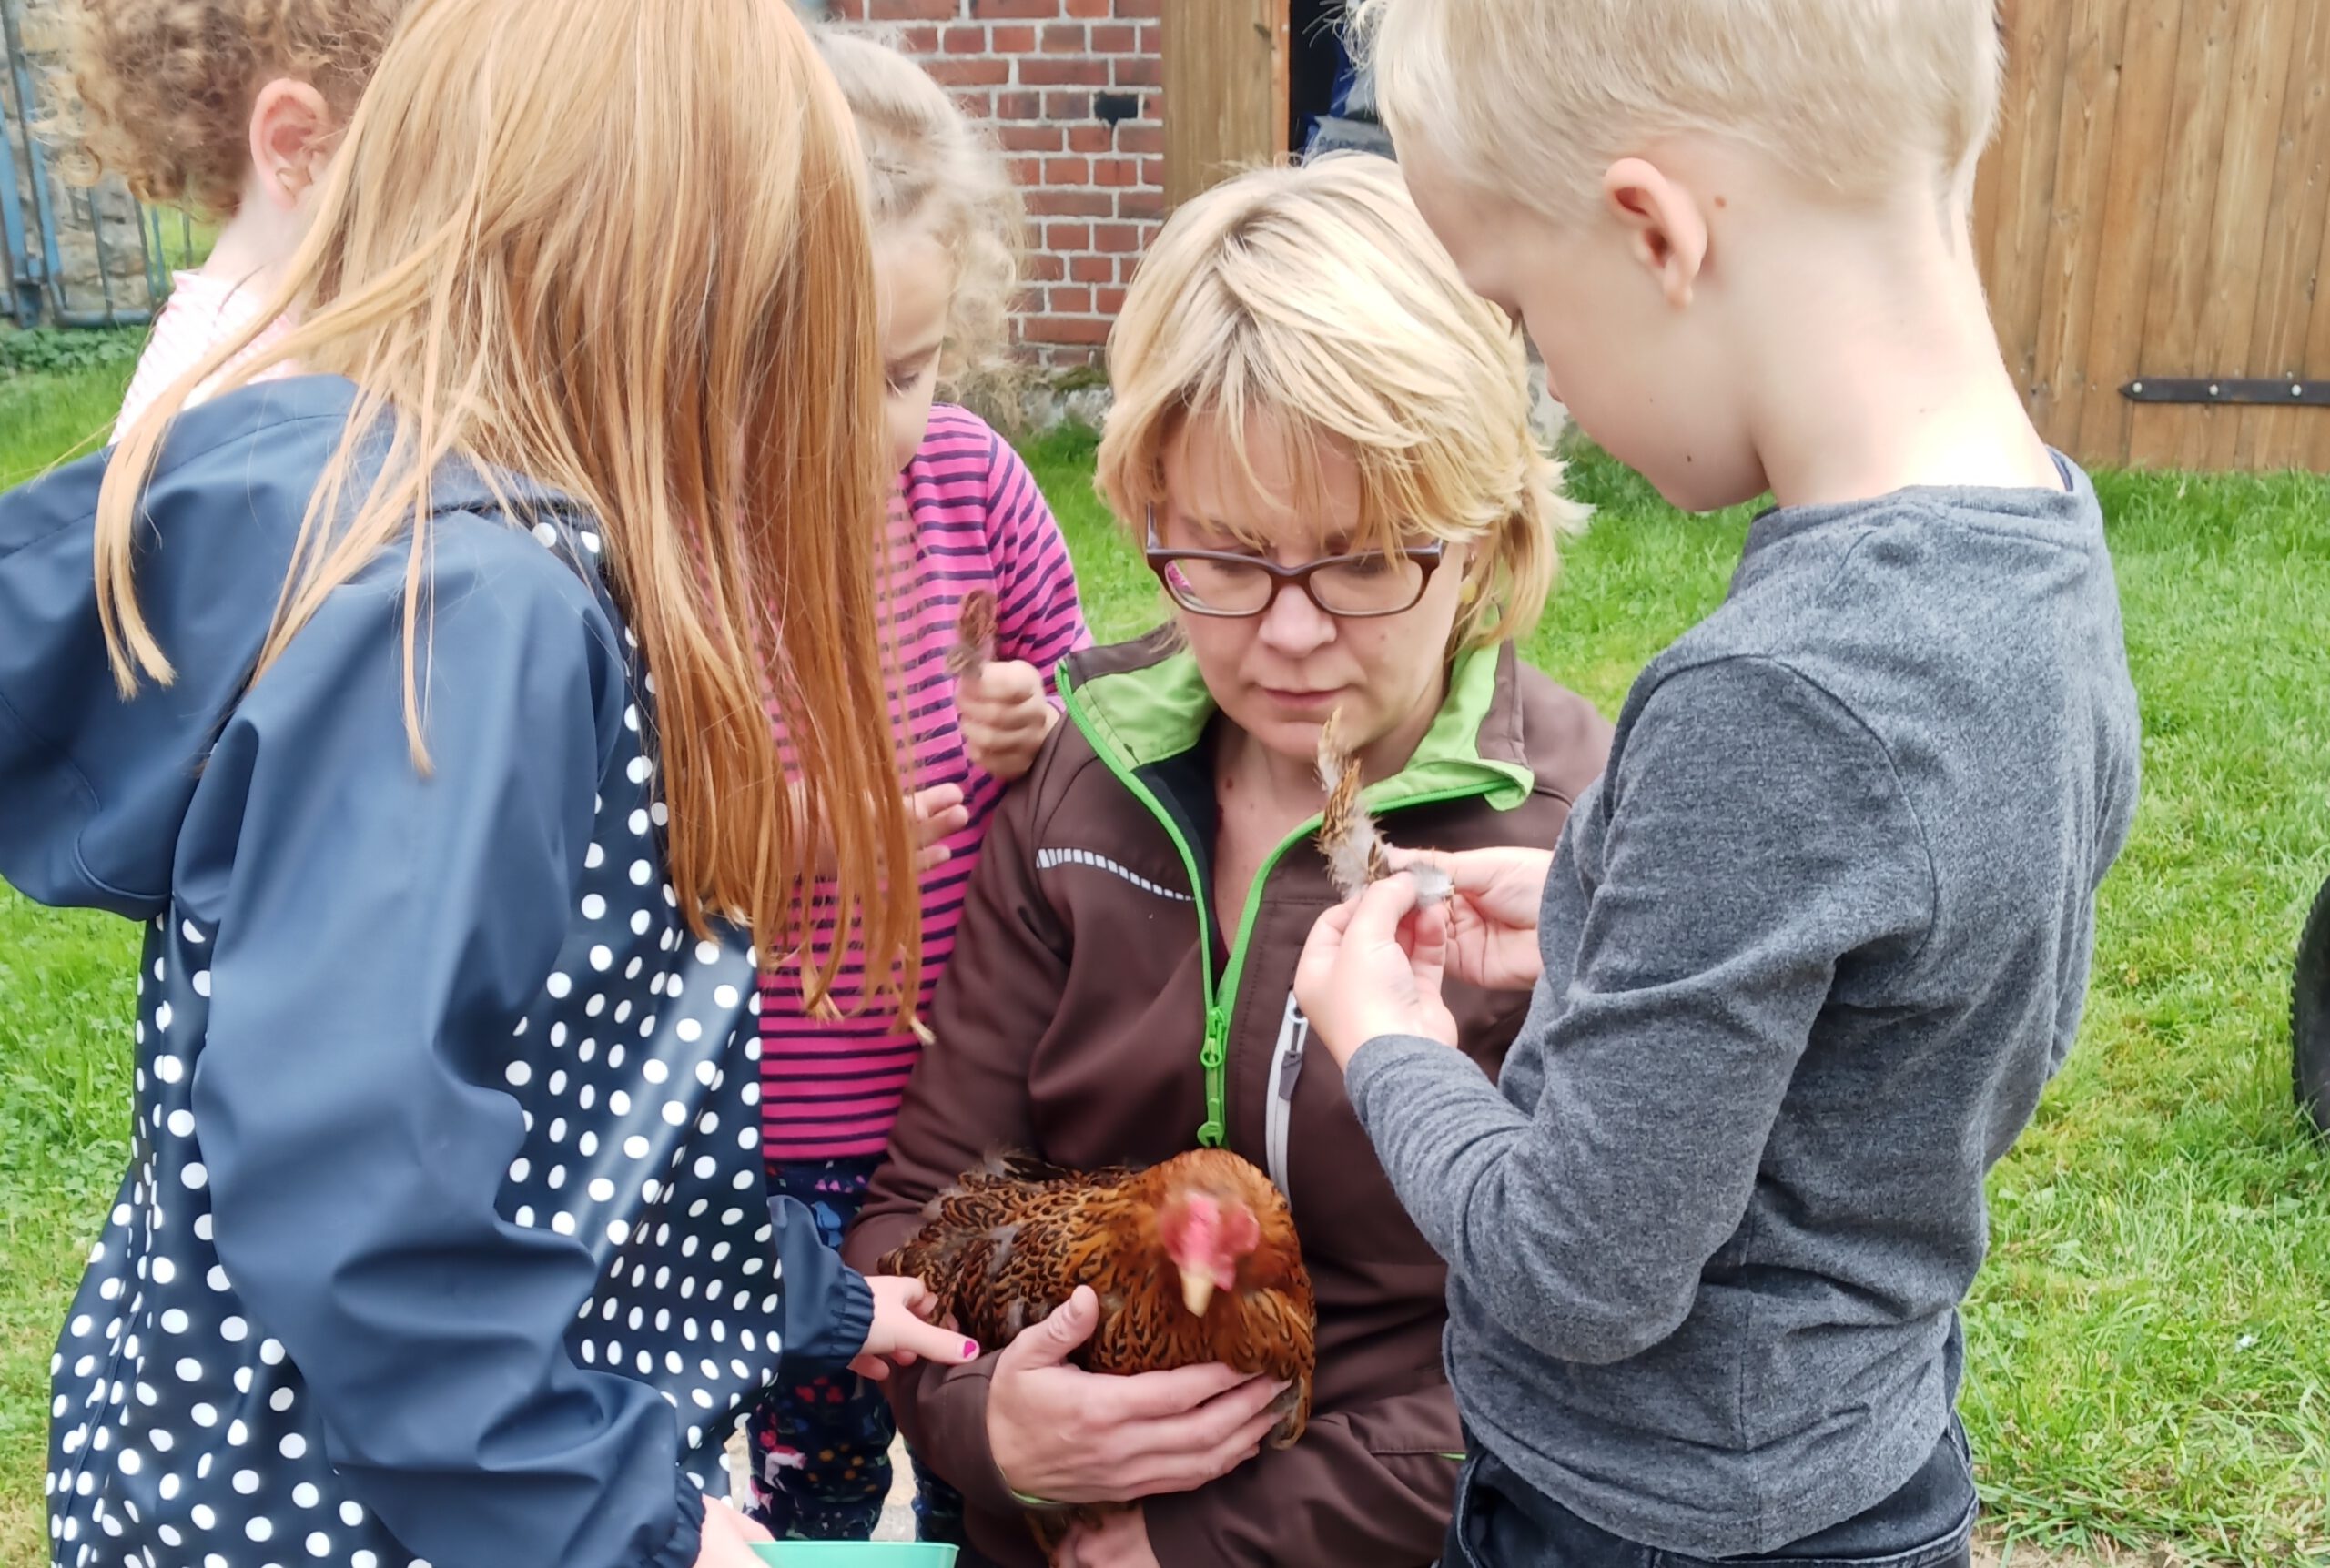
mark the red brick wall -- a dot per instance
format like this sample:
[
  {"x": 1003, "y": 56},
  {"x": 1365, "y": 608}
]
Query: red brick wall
[{"x": 1052, "y": 76}]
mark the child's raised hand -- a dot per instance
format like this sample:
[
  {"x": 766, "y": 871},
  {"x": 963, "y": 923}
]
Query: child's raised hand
[
  {"x": 1492, "y": 901},
  {"x": 1373, "y": 968},
  {"x": 1005, "y": 716},
  {"x": 940, "y": 814},
  {"x": 903, "y": 1333}
]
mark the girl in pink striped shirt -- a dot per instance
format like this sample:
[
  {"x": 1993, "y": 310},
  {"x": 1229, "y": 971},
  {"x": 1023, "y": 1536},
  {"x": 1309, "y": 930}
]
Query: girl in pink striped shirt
[{"x": 947, "y": 241}]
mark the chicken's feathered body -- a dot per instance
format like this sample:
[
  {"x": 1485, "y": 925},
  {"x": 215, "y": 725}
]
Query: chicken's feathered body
[{"x": 1008, "y": 1244}]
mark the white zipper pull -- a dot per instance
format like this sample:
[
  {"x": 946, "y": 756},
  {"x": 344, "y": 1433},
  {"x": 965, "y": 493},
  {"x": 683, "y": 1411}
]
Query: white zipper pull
[{"x": 1286, "y": 1066}]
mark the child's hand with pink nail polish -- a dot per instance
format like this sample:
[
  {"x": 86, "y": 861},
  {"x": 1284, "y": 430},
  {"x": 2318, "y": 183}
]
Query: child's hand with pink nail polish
[{"x": 903, "y": 1333}]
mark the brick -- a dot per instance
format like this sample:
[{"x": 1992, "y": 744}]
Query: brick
[
  {"x": 1140, "y": 137},
  {"x": 1043, "y": 10},
  {"x": 1082, "y": 71},
  {"x": 969, "y": 71},
  {"x": 1071, "y": 301},
  {"x": 1072, "y": 204},
  {"x": 1090, "y": 10},
  {"x": 1141, "y": 10},
  {"x": 1013, "y": 40},
  {"x": 1065, "y": 237},
  {"x": 1044, "y": 267},
  {"x": 1116, "y": 171},
  {"x": 1067, "y": 106},
  {"x": 918, "y": 41},
  {"x": 1026, "y": 171},
  {"x": 971, "y": 40},
  {"x": 1107, "y": 301},
  {"x": 1119, "y": 237},
  {"x": 1114, "y": 38},
  {"x": 1152, "y": 39},
  {"x": 1019, "y": 106},
  {"x": 1088, "y": 269},
  {"x": 910, "y": 10},
  {"x": 1069, "y": 171},
  {"x": 1138, "y": 70},
  {"x": 1068, "y": 330},
  {"x": 1142, "y": 202},
  {"x": 1064, "y": 38},
  {"x": 1034, "y": 138},
  {"x": 1152, "y": 171}
]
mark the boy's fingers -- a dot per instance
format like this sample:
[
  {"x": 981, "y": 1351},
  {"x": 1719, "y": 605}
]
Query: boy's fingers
[{"x": 1374, "y": 919}]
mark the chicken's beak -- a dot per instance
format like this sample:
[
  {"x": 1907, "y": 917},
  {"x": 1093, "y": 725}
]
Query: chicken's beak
[{"x": 1197, "y": 1292}]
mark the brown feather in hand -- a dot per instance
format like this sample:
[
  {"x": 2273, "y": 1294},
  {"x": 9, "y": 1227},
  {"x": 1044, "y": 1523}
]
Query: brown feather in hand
[
  {"x": 974, "y": 635},
  {"x": 1354, "y": 848}
]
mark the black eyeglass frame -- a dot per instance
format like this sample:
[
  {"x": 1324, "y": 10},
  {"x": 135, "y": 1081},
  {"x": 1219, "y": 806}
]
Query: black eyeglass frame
[{"x": 1161, "y": 559}]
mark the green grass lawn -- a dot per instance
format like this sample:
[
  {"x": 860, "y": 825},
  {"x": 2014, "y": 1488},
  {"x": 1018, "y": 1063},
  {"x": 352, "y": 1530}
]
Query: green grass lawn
[{"x": 2150, "y": 1347}]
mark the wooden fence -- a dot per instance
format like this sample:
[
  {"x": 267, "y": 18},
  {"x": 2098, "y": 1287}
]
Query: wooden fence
[{"x": 2155, "y": 207}]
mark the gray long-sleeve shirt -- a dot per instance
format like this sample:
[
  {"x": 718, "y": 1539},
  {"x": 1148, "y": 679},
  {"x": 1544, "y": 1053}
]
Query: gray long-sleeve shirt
[{"x": 1813, "y": 947}]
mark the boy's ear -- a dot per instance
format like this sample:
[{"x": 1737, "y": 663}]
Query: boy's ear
[
  {"x": 291, "y": 123},
  {"x": 1668, "y": 232}
]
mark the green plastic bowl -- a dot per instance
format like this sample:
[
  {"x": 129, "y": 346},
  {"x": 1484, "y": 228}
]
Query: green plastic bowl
[{"x": 855, "y": 1554}]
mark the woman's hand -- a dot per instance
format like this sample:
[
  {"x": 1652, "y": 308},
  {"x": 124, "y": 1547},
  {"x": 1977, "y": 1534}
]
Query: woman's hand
[
  {"x": 1066, "y": 1435},
  {"x": 1005, "y": 717},
  {"x": 1118, "y": 1541},
  {"x": 728, "y": 1538},
  {"x": 903, "y": 1333},
  {"x": 1492, "y": 908},
  {"x": 1373, "y": 968}
]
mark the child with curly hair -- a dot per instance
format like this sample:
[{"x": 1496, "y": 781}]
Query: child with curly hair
[
  {"x": 967, "y": 519},
  {"x": 231, "y": 110}
]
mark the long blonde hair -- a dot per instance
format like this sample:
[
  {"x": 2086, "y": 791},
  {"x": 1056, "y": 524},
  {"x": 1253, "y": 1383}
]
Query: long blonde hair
[
  {"x": 929, "y": 163},
  {"x": 619, "y": 247},
  {"x": 1316, "y": 295}
]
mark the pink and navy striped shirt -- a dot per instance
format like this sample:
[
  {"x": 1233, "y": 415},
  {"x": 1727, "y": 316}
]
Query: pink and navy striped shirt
[{"x": 973, "y": 518}]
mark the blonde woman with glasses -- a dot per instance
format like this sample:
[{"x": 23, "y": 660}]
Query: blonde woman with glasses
[{"x": 1322, "y": 443}]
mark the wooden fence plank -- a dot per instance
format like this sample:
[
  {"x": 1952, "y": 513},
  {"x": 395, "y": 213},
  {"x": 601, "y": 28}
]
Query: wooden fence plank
[
  {"x": 2058, "y": 386},
  {"x": 2171, "y": 346},
  {"x": 2252, "y": 125},
  {"x": 2128, "y": 226},
  {"x": 1224, "y": 68},
  {"x": 2035, "y": 44},
  {"x": 2298, "y": 213}
]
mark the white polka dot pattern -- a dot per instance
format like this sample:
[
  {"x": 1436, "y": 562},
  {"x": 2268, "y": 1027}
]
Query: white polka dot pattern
[{"x": 182, "y": 1434}]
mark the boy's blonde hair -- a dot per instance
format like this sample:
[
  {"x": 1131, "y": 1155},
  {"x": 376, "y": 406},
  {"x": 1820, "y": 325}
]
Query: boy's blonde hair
[
  {"x": 607, "y": 245},
  {"x": 930, "y": 164},
  {"x": 1534, "y": 99},
  {"x": 1317, "y": 298},
  {"x": 166, "y": 85}
]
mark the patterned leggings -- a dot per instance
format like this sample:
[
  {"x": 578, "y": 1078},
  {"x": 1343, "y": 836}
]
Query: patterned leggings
[{"x": 821, "y": 1448}]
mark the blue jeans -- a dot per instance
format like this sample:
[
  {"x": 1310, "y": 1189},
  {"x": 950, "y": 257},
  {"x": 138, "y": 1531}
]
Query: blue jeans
[
  {"x": 820, "y": 1448},
  {"x": 1504, "y": 1522}
]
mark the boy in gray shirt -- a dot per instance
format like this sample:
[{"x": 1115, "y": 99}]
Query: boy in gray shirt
[{"x": 1808, "y": 954}]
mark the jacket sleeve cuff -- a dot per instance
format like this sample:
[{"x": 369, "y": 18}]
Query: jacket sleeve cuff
[
  {"x": 686, "y": 1544},
  {"x": 848, "y": 1320},
  {"x": 946, "y": 1421}
]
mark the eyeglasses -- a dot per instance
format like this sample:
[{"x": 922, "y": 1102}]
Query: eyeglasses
[{"x": 1233, "y": 587}]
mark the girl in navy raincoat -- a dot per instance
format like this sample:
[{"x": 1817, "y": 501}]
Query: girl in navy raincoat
[{"x": 417, "y": 707}]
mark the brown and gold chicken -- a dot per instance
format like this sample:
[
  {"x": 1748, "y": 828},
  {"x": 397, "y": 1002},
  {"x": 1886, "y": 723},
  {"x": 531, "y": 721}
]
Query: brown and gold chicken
[{"x": 1193, "y": 1261}]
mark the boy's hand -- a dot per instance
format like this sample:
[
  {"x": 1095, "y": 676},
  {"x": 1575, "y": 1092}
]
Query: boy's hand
[
  {"x": 1493, "y": 903},
  {"x": 1117, "y": 1540},
  {"x": 1005, "y": 717},
  {"x": 903, "y": 1333},
  {"x": 1373, "y": 968}
]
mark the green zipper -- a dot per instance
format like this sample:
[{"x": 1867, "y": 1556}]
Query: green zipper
[{"x": 1214, "y": 1054}]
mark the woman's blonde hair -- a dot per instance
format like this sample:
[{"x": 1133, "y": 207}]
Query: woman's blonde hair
[
  {"x": 165, "y": 86},
  {"x": 1315, "y": 297},
  {"x": 606, "y": 244},
  {"x": 929, "y": 164}
]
